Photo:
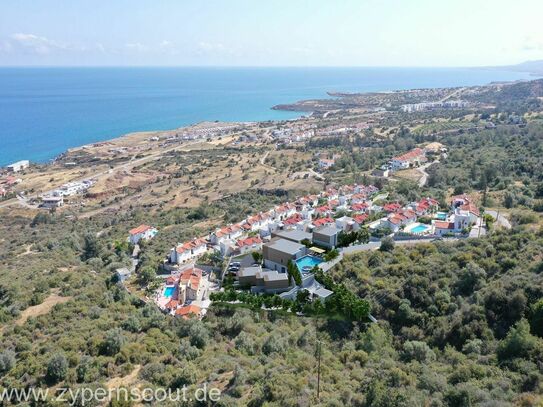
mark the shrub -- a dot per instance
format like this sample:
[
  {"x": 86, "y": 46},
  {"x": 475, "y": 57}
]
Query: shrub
[
  {"x": 518, "y": 342},
  {"x": 198, "y": 334},
  {"x": 417, "y": 350},
  {"x": 113, "y": 342},
  {"x": 7, "y": 361},
  {"x": 387, "y": 244},
  {"x": 57, "y": 369},
  {"x": 273, "y": 344}
]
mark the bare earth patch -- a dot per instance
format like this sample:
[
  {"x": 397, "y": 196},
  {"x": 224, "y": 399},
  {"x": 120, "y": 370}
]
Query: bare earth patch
[
  {"x": 125, "y": 381},
  {"x": 42, "y": 308}
]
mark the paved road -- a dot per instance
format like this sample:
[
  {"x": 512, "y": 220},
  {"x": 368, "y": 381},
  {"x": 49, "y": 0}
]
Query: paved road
[
  {"x": 452, "y": 94},
  {"x": 422, "y": 170},
  {"x": 380, "y": 197},
  {"x": 124, "y": 166},
  {"x": 478, "y": 230},
  {"x": 376, "y": 245},
  {"x": 500, "y": 219}
]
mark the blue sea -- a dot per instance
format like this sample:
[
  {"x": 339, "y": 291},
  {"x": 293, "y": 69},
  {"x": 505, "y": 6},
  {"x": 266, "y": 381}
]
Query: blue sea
[{"x": 45, "y": 111}]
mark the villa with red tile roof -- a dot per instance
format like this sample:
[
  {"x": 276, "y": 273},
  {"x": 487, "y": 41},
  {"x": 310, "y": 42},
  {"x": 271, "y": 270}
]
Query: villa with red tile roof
[
  {"x": 325, "y": 163},
  {"x": 257, "y": 222},
  {"x": 411, "y": 158},
  {"x": 248, "y": 245},
  {"x": 359, "y": 198},
  {"x": 465, "y": 203},
  {"x": 324, "y": 210},
  {"x": 188, "y": 251},
  {"x": 189, "y": 311},
  {"x": 331, "y": 194},
  {"x": 396, "y": 220},
  {"x": 317, "y": 223},
  {"x": 360, "y": 207},
  {"x": 231, "y": 232},
  {"x": 190, "y": 284},
  {"x": 144, "y": 232},
  {"x": 360, "y": 219},
  {"x": 293, "y": 220},
  {"x": 284, "y": 211},
  {"x": 392, "y": 207},
  {"x": 425, "y": 206}
]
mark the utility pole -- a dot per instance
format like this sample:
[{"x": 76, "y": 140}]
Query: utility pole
[{"x": 318, "y": 369}]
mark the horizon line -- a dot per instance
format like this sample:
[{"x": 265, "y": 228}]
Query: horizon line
[{"x": 270, "y": 66}]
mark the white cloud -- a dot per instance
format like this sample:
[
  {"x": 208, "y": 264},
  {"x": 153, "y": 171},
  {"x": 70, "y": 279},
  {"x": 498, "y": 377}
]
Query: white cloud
[
  {"x": 36, "y": 44},
  {"x": 166, "y": 44},
  {"x": 136, "y": 46}
]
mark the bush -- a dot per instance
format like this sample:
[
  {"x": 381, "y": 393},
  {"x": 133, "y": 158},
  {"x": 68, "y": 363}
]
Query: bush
[
  {"x": 199, "y": 335},
  {"x": 113, "y": 342},
  {"x": 387, "y": 244},
  {"x": 187, "y": 351},
  {"x": 57, "y": 369},
  {"x": 7, "y": 361},
  {"x": 518, "y": 343},
  {"x": 273, "y": 344},
  {"x": 420, "y": 351}
]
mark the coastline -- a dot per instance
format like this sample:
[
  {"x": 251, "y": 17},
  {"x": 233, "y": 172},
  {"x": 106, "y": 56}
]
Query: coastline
[{"x": 90, "y": 128}]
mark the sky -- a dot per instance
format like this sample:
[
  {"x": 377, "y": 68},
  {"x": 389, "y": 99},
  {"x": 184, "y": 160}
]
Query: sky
[{"x": 270, "y": 32}]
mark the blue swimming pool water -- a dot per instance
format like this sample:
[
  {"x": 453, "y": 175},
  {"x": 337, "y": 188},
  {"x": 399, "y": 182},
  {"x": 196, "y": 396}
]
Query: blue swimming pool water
[
  {"x": 308, "y": 261},
  {"x": 420, "y": 229},
  {"x": 168, "y": 291},
  {"x": 441, "y": 216}
]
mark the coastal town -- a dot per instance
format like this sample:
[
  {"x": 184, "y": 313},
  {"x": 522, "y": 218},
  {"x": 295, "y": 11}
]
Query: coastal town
[
  {"x": 310, "y": 232},
  {"x": 264, "y": 252},
  {"x": 271, "y": 204},
  {"x": 213, "y": 244}
]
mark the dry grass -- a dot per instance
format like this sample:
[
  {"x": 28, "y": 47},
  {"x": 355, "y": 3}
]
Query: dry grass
[
  {"x": 45, "y": 307},
  {"x": 125, "y": 381}
]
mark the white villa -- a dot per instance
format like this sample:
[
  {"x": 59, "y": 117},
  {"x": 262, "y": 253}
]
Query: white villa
[
  {"x": 144, "y": 232},
  {"x": 188, "y": 251}
]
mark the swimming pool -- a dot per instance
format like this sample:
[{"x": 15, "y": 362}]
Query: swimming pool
[
  {"x": 420, "y": 228},
  {"x": 308, "y": 262},
  {"x": 441, "y": 215},
  {"x": 168, "y": 291}
]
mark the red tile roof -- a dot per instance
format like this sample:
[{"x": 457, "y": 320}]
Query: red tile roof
[
  {"x": 191, "y": 245},
  {"x": 322, "y": 222},
  {"x": 294, "y": 219},
  {"x": 470, "y": 208},
  {"x": 362, "y": 206},
  {"x": 249, "y": 241},
  {"x": 227, "y": 230},
  {"x": 359, "y": 197},
  {"x": 323, "y": 209},
  {"x": 172, "y": 304},
  {"x": 410, "y": 155},
  {"x": 140, "y": 229},
  {"x": 188, "y": 309},
  {"x": 191, "y": 277},
  {"x": 392, "y": 207},
  {"x": 443, "y": 224},
  {"x": 360, "y": 218}
]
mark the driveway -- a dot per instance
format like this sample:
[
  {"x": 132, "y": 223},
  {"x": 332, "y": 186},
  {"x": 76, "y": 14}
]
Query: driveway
[
  {"x": 478, "y": 230},
  {"x": 500, "y": 219},
  {"x": 422, "y": 170}
]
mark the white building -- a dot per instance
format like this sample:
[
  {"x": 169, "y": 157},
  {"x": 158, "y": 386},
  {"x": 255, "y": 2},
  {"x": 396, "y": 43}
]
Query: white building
[
  {"x": 144, "y": 232},
  {"x": 72, "y": 188},
  {"x": 188, "y": 251},
  {"x": 18, "y": 166},
  {"x": 51, "y": 202}
]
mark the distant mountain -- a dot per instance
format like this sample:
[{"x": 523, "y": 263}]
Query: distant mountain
[{"x": 533, "y": 67}]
